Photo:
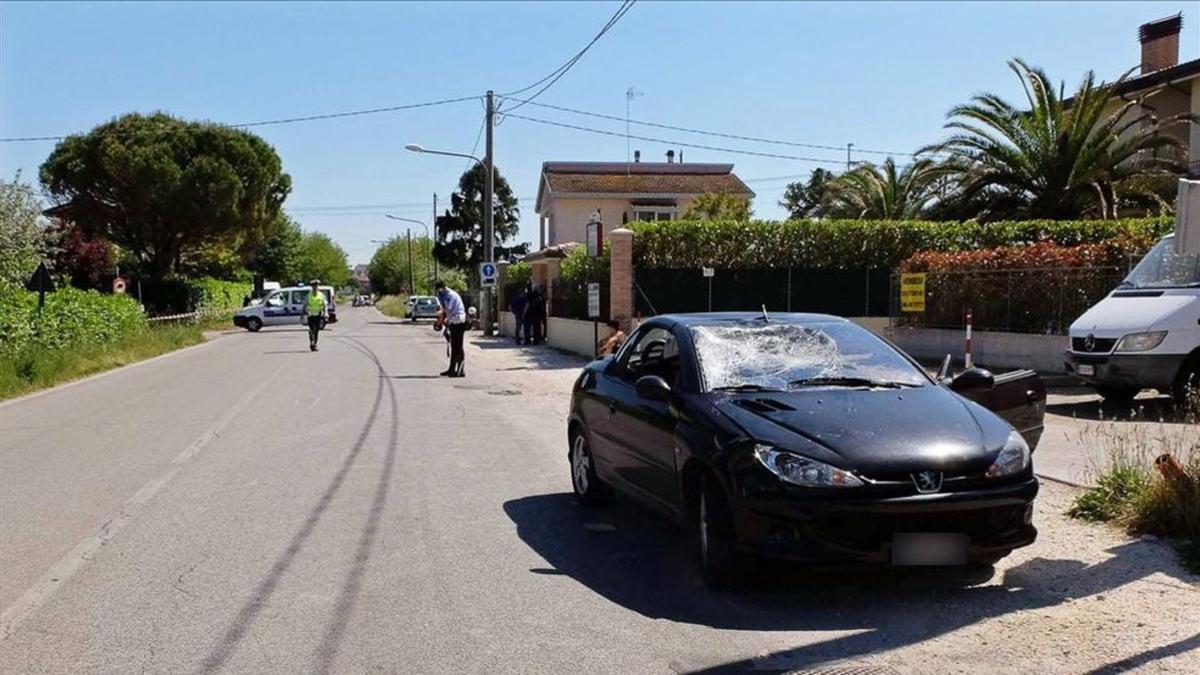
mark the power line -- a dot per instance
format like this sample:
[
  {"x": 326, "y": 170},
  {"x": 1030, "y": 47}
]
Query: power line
[
  {"x": 680, "y": 143},
  {"x": 285, "y": 120},
  {"x": 739, "y": 137},
  {"x": 557, "y": 73}
]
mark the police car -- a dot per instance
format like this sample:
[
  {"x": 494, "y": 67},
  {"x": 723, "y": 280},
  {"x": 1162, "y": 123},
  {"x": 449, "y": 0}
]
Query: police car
[{"x": 282, "y": 307}]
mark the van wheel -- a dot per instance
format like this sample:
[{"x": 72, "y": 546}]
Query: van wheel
[
  {"x": 716, "y": 538},
  {"x": 254, "y": 324},
  {"x": 1117, "y": 394},
  {"x": 1187, "y": 382}
]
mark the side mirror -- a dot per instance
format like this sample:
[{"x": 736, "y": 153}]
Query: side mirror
[
  {"x": 653, "y": 388},
  {"x": 973, "y": 379}
]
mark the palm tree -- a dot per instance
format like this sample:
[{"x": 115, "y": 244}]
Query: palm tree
[
  {"x": 867, "y": 191},
  {"x": 1059, "y": 158}
]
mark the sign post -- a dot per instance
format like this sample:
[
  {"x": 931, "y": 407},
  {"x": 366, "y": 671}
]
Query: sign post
[
  {"x": 912, "y": 292},
  {"x": 595, "y": 247},
  {"x": 594, "y": 313},
  {"x": 41, "y": 283},
  {"x": 709, "y": 273}
]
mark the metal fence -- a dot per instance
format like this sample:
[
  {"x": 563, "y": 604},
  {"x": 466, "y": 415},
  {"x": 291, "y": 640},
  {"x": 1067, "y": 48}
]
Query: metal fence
[
  {"x": 860, "y": 292},
  {"x": 570, "y": 300},
  {"x": 1038, "y": 300}
]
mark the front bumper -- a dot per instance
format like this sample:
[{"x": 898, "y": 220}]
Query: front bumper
[
  {"x": 860, "y": 529},
  {"x": 1132, "y": 370},
  {"x": 239, "y": 321}
]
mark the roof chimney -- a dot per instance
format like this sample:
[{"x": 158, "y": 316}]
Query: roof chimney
[
  {"x": 681, "y": 155},
  {"x": 637, "y": 156},
  {"x": 1160, "y": 43},
  {"x": 670, "y": 157}
]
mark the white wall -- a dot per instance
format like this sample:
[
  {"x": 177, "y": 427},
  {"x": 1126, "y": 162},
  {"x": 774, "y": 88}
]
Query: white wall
[
  {"x": 574, "y": 336},
  {"x": 1043, "y": 353},
  {"x": 569, "y": 215}
]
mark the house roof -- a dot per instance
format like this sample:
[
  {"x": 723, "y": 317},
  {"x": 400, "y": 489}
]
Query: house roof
[
  {"x": 1184, "y": 71},
  {"x": 637, "y": 179}
]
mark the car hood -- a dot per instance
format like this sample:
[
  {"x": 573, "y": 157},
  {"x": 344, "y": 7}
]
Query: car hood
[{"x": 877, "y": 432}]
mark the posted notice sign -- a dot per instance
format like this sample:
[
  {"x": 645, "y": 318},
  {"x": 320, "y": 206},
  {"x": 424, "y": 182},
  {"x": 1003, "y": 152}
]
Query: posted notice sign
[
  {"x": 595, "y": 238},
  {"x": 912, "y": 292},
  {"x": 593, "y": 301}
]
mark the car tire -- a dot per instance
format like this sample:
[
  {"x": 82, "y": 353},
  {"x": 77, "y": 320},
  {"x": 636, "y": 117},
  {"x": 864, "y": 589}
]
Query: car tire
[
  {"x": 587, "y": 486},
  {"x": 716, "y": 538},
  {"x": 254, "y": 324},
  {"x": 1117, "y": 394}
]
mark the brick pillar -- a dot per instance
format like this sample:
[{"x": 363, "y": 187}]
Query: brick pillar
[{"x": 620, "y": 242}]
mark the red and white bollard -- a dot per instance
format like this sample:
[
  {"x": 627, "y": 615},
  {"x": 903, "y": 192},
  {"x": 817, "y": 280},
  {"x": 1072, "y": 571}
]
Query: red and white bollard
[{"x": 967, "y": 358}]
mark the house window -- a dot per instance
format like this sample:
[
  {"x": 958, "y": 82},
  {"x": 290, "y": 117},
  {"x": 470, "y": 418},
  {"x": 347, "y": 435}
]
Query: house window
[{"x": 652, "y": 213}]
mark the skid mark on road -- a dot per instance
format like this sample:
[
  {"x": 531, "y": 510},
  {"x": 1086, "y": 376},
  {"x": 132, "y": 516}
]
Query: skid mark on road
[
  {"x": 233, "y": 636},
  {"x": 83, "y": 552}
]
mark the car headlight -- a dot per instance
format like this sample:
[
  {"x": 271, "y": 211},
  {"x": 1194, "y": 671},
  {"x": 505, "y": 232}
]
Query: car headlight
[
  {"x": 799, "y": 470},
  {"x": 1013, "y": 459},
  {"x": 1140, "y": 342}
]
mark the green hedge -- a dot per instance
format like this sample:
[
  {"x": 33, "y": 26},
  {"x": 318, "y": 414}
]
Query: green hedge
[
  {"x": 70, "y": 317},
  {"x": 177, "y": 295},
  {"x": 854, "y": 244}
]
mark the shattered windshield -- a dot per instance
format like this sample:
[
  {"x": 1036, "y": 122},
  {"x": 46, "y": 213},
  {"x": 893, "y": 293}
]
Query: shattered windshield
[
  {"x": 1164, "y": 268},
  {"x": 789, "y": 356}
]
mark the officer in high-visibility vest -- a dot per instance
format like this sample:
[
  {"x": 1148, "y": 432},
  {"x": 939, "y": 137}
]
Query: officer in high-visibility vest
[{"x": 315, "y": 310}]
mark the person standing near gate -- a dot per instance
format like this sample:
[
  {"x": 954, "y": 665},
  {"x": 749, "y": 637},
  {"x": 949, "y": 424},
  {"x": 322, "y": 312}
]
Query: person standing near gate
[
  {"x": 315, "y": 311},
  {"x": 453, "y": 314}
]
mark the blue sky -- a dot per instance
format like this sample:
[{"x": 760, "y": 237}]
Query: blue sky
[{"x": 880, "y": 75}]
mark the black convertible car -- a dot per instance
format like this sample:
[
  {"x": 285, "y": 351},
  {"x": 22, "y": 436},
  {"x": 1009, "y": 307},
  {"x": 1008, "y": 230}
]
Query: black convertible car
[{"x": 806, "y": 437}]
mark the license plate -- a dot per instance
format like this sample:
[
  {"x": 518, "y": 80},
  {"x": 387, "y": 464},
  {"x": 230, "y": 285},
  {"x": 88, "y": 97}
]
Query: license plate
[
  {"x": 929, "y": 548},
  {"x": 1085, "y": 369}
]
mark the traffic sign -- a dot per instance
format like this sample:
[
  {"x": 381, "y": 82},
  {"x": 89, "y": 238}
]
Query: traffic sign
[
  {"x": 41, "y": 283},
  {"x": 912, "y": 292},
  {"x": 593, "y": 301},
  {"x": 709, "y": 272},
  {"x": 487, "y": 274}
]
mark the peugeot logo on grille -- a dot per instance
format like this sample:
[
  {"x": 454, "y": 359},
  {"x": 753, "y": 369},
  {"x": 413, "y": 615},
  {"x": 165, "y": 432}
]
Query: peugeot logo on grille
[
  {"x": 927, "y": 481},
  {"x": 1089, "y": 342}
]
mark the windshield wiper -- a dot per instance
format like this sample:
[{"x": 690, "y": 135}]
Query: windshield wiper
[
  {"x": 746, "y": 387},
  {"x": 847, "y": 382}
]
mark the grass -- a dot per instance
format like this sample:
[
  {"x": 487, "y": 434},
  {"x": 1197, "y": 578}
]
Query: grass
[
  {"x": 1132, "y": 492},
  {"x": 36, "y": 369},
  {"x": 392, "y": 305}
]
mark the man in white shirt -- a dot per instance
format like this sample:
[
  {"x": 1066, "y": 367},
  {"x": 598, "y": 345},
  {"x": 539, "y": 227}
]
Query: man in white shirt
[{"x": 453, "y": 314}]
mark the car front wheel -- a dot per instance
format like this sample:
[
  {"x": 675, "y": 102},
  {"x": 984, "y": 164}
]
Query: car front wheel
[
  {"x": 716, "y": 538},
  {"x": 254, "y": 324},
  {"x": 587, "y": 486}
]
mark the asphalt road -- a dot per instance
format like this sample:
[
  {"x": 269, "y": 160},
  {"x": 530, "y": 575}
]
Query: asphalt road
[{"x": 249, "y": 506}]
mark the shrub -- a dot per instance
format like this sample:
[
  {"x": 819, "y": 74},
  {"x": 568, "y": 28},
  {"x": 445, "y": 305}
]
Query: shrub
[
  {"x": 570, "y": 292},
  {"x": 70, "y": 318},
  {"x": 855, "y": 244},
  {"x": 1120, "y": 251},
  {"x": 174, "y": 295}
]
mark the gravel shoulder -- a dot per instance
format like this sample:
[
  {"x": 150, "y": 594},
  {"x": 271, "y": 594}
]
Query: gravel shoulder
[{"x": 1083, "y": 599}]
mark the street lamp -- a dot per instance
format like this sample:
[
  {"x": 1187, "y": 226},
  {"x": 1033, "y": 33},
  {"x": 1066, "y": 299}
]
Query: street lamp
[
  {"x": 489, "y": 252},
  {"x": 431, "y": 242}
]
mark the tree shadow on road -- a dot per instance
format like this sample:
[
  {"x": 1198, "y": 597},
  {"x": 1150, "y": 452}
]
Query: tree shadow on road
[
  {"x": 541, "y": 357},
  {"x": 1159, "y": 408},
  {"x": 644, "y": 565}
]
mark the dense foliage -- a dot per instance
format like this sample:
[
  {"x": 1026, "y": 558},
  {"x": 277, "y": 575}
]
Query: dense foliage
[
  {"x": 1053, "y": 156},
  {"x": 160, "y": 187},
  {"x": 389, "y": 268},
  {"x": 175, "y": 295},
  {"x": 20, "y": 234},
  {"x": 70, "y": 317},
  {"x": 719, "y": 206},
  {"x": 460, "y": 228},
  {"x": 277, "y": 257},
  {"x": 1121, "y": 251},
  {"x": 322, "y": 259},
  {"x": 854, "y": 244},
  {"x": 883, "y": 192}
]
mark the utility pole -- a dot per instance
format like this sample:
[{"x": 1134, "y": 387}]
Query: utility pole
[
  {"x": 489, "y": 249},
  {"x": 435, "y": 244},
  {"x": 412, "y": 283}
]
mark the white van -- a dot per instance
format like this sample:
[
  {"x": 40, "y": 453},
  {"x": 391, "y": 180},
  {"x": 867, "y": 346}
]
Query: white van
[
  {"x": 281, "y": 307},
  {"x": 1146, "y": 333}
]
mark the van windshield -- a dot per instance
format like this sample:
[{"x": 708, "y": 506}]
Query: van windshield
[{"x": 1164, "y": 268}]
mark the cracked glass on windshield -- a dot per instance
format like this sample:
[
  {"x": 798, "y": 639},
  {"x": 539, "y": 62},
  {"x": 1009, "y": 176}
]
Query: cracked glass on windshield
[{"x": 784, "y": 356}]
